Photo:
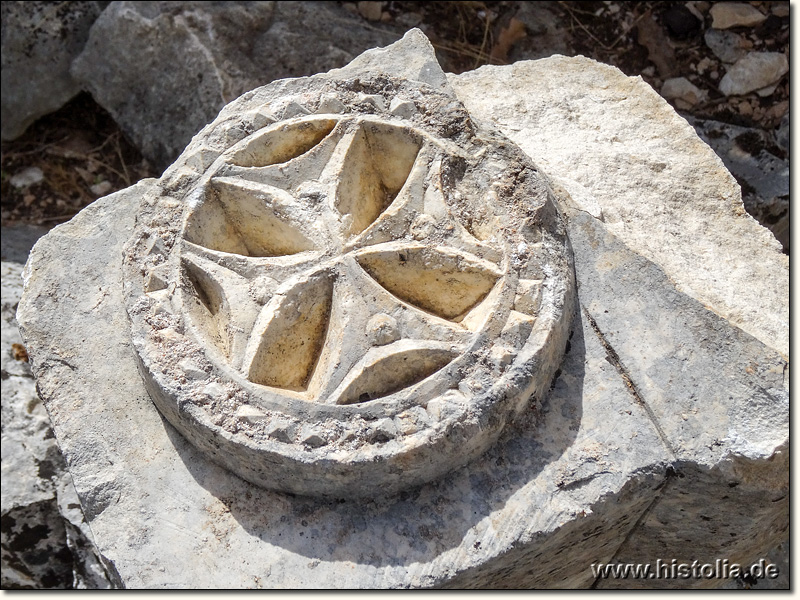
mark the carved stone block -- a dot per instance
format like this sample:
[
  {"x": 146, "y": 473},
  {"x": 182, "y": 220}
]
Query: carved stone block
[
  {"x": 335, "y": 276},
  {"x": 429, "y": 363}
]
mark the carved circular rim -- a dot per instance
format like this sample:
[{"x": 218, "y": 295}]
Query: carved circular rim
[{"x": 280, "y": 431}]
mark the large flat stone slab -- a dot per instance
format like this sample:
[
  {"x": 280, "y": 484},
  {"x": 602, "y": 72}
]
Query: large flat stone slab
[
  {"x": 621, "y": 151},
  {"x": 168, "y": 517}
]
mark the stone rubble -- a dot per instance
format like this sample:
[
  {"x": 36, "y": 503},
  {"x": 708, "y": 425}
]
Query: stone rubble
[
  {"x": 727, "y": 46},
  {"x": 735, "y": 14},
  {"x": 40, "y": 41},
  {"x": 755, "y": 71},
  {"x": 225, "y": 49},
  {"x": 672, "y": 397}
]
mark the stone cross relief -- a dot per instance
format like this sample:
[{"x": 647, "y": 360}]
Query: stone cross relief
[
  {"x": 323, "y": 245},
  {"x": 352, "y": 294}
]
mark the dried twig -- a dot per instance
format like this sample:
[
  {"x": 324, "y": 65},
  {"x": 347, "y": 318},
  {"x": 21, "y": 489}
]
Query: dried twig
[
  {"x": 606, "y": 47},
  {"x": 126, "y": 178},
  {"x": 37, "y": 150},
  {"x": 483, "y": 43},
  {"x": 461, "y": 50}
]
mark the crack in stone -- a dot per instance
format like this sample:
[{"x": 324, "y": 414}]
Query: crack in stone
[{"x": 614, "y": 359}]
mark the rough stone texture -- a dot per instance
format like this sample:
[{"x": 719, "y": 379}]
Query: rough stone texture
[
  {"x": 761, "y": 168},
  {"x": 34, "y": 549},
  {"x": 45, "y": 540},
  {"x": 735, "y": 14},
  {"x": 651, "y": 181},
  {"x": 225, "y": 48},
  {"x": 753, "y": 72},
  {"x": 166, "y": 488},
  {"x": 626, "y": 176},
  {"x": 351, "y": 315},
  {"x": 39, "y": 42},
  {"x": 727, "y": 46},
  {"x": 673, "y": 393},
  {"x": 732, "y": 467}
]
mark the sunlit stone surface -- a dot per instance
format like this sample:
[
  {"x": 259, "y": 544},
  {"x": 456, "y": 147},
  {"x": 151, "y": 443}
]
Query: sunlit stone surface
[{"x": 431, "y": 362}]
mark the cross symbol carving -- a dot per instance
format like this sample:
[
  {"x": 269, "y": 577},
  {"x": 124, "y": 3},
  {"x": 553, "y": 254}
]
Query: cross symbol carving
[{"x": 324, "y": 262}]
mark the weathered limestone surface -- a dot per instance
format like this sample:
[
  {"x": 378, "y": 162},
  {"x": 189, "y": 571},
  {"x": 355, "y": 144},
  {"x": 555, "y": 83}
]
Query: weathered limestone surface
[
  {"x": 155, "y": 486},
  {"x": 45, "y": 540},
  {"x": 34, "y": 546},
  {"x": 39, "y": 42},
  {"x": 225, "y": 48},
  {"x": 644, "y": 178},
  {"x": 672, "y": 396},
  {"x": 624, "y": 156}
]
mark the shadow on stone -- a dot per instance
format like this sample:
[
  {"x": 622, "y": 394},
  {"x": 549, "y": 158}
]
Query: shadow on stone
[{"x": 421, "y": 523}]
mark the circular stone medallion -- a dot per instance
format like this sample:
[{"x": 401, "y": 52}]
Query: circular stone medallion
[{"x": 349, "y": 301}]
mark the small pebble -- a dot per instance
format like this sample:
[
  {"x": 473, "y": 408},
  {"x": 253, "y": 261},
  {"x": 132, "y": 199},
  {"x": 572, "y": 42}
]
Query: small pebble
[
  {"x": 680, "y": 88},
  {"x": 726, "y": 45},
  {"x": 371, "y": 11},
  {"x": 735, "y": 14},
  {"x": 704, "y": 65},
  {"x": 745, "y": 109},
  {"x": 780, "y": 9},
  {"x": 27, "y": 177},
  {"x": 101, "y": 189}
]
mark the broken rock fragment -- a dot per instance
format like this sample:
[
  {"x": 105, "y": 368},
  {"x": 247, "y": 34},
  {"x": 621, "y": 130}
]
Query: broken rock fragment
[
  {"x": 753, "y": 72},
  {"x": 735, "y": 14},
  {"x": 683, "y": 92}
]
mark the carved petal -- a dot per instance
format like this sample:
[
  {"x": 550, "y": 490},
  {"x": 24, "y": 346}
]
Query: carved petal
[
  {"x": 281, "y": 144},
  {"x": 289, "y": 335},
  {"x": 440, "y": 281},
  {"x": 220, "y": 301},
  {"x": 241, "y": 217},
  {"x": 377, "y": 164},
  {"x": 392, "y": 368},
  {"x": 207, "y": 304}
]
